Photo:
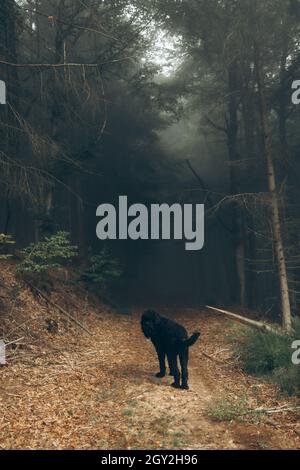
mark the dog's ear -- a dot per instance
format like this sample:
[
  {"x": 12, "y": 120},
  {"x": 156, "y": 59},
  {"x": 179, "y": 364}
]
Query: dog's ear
[
  {"x": 148, "y": 323},
  {"x": 154, "y": 317}
]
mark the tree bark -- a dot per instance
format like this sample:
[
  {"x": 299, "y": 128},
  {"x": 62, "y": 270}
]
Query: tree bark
[
  {"x": 275, "y": 211},
  {"x": 238, "y": 232},
  {"x": 248, "y": 111},
  {"x": 9, "y": 137}
]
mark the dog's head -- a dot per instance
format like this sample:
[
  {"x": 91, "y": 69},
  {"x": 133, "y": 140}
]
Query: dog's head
[{"x": 149, "y": 322}]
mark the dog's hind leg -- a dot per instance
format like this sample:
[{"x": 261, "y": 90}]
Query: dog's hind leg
[
  {"x": 184, "y": 360},
  {"x": 174, "y": 370}
]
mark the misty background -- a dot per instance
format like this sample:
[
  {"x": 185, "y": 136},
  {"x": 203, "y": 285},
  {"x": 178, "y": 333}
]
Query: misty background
[{"x": 159, "y": 101}]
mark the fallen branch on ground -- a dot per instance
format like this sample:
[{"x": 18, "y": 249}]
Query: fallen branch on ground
[
  {"x": 14, "y": 342},
  {"x": 280, "y": 409},
  {"x": 214, "y": 359},
  {"x": 59, "y": 308},
  {"x": 248, "y": 321}
]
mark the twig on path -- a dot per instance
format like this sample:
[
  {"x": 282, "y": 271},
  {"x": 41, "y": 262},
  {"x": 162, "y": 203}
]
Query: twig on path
[
  {"x": 211, "y": 357},
  {"x": 280, "y": 409},
  {"x": 14, "y": 342}
]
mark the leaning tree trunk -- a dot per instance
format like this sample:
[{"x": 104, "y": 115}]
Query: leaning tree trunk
[{"x": 276, "y": 223}]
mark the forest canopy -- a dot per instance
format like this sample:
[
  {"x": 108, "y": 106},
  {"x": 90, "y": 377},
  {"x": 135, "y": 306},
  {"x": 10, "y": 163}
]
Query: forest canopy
[{"x": 170, "y": 101}]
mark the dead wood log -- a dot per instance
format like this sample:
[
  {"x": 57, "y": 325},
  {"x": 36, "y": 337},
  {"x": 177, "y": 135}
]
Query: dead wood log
[
  {"x": 60, "y": 309},
  {"x": 248, "y": 321}
]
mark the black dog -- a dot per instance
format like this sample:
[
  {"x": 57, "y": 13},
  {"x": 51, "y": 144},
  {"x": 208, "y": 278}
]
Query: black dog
[{"x": 169, "y": 339}]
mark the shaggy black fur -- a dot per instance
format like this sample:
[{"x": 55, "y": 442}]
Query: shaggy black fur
[{"x": 169, "y": 339}]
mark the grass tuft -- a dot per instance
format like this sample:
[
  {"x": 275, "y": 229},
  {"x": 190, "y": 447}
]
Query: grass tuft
[{"x": 228, "y": 409}]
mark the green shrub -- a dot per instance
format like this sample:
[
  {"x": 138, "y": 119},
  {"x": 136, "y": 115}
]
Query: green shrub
[
  {"x": 103, "y": 268},
  {"x": 49, "y": 254},
  {"x": 262, "y": 352},
  {"x": 288, "y": 379},
  {"x": 270, "y": 354}
]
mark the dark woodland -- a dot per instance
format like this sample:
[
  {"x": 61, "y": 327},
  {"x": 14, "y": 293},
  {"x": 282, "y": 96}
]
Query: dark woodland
[{"x": 164, "y": 101}]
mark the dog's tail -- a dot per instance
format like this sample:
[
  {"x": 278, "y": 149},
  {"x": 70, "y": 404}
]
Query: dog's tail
[{"x": 192, "y": 340}]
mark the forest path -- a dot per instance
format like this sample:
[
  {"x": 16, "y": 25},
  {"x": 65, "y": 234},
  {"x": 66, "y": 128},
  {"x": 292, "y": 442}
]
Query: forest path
[
  {"x": 180, "y": 418},
  {"x": 100, "y": 392}
]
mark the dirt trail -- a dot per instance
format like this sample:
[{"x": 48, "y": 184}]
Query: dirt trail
[
  {"x": 101, "y": 393},
  {"x": 213, "y": 375}
]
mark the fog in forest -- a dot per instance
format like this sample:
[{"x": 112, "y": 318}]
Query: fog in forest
[{"x": 163, "y": 102}]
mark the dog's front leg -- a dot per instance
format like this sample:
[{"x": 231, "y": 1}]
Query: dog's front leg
[
  {"x": 161, "y": 354},
  {"x": 169, "y": 362}
]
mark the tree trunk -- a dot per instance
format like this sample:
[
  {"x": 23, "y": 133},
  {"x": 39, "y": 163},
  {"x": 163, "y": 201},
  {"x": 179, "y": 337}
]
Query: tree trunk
[
  {"x": 238, "y": 232},
  {"x": 276, "y": 223},
  {"x": 249, "y": 119},
  {"x": 9, "y": 137},
  {"x": 283, "y": 99}
]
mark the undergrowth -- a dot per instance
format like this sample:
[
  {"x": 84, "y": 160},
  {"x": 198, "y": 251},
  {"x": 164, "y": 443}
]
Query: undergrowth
[
  {"x": 231, "y": 408},
  {"x": 269, "y": 355}
]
